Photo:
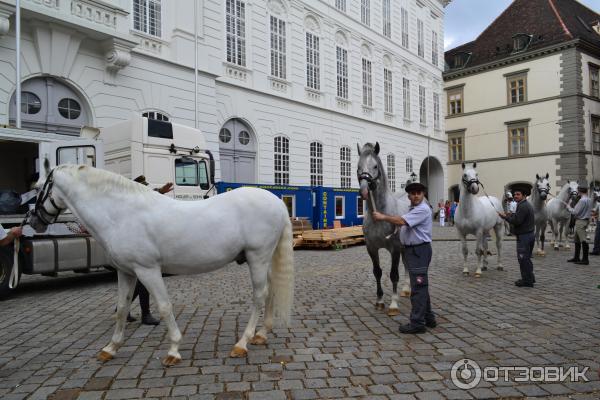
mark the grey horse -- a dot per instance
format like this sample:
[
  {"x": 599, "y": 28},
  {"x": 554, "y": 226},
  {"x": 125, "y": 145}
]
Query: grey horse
[
  {"x": 379, "y": 234},
  {"x": 539, "y": 194},
  {"x": 558, "y": 215}
]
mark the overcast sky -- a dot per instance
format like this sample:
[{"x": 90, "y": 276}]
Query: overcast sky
[{"x": 466, "y": 19}]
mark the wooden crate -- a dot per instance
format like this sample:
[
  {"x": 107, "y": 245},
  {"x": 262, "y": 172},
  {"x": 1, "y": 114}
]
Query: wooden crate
[{"x": 332, "y": 238}]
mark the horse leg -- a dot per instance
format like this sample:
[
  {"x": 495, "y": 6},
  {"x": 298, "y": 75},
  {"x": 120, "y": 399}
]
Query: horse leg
[
  {"x": 498, "y": 230},
  {"x": 485, "y": 252},
  {"x": 126, "y": 286},
  {"x": 566, "y": 237},
  {"x": 555, "y": 228},
  {"x": 542, "y": 239},
  {"x": 465, "y": 251},
  {"x": 152, "y": 279},
  {"x": 259, "y": 270},
  {"x": 394, "y": 277},
  {"x": 480, "y": 251},
  {"x": 374, "y": 254}
]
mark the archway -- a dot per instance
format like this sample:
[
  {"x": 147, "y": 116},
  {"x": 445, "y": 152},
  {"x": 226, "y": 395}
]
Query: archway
[
  {"x": 454, "y": 193},
  {"x": 237, "y": 149},
  {"x": 49, "y": 105},
  {"x": 523, "y": 186},
  {"x": 431, "y": 174}
]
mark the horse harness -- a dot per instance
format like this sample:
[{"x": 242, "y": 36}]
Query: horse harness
[{"x": 46, "y": 194}]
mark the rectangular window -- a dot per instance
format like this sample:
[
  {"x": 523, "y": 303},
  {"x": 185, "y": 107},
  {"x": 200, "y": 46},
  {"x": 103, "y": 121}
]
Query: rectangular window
[
  {"x": 596, "y": 134},
  {"x": 406, "y": 97},
  {"x": 387, "y": 18},
  {"x": 517, "y": 140},
  {"x": 409, "y": 165},
  {"x": 313, "y": 69},
  {"x": 147, "y": 16},
  {"x": 282, "y": 160},
  {"x": 340, "y": 5},
  {"x": 436, "y": 111},
  {"x": 342, "y": 72},
  {"x": 455, "y": 101},
  {"x": 404, "y": 25},
  {"x": 360, "y": 207},
  {"x": 186, "y": 172},
  {"x": 203, "y": 175},
  {"x": 391, "y": 172},
  {"x": 388, "y": 96},
  {"x": 365, "y": 12},
  {"x": 345, "y": 167},
  {"x": 367, "y": 81},
  {"x": 434, "y": 48},
  {"x": 517, "y": 89},
  {"x": 340, "y": 207},
  {"x": 290, "y": 204},
  {"x": 421, "y": 39},
  {"x": 316, "y": 164},
  {"x": 235, "y": 21},
  {"x": 456, "y": 147},
  {"x": 278, "y": 62},
  {"x": 422, "y": 108},
  {"x": 594, "y": 82}
]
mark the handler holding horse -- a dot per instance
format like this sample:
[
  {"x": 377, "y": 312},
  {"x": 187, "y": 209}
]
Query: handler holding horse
[{"x": 415, "y": 235}]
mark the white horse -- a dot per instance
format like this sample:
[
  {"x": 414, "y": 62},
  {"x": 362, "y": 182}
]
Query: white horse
[
  {"x": 379, "y": 234},
  {"x": 558, "y": 215},
  {"x": 506, "y": 200},
  {"x": 476, "y": 216},
  {"x": 539, "y": 194},
  {"x": 147, "y": 234}
]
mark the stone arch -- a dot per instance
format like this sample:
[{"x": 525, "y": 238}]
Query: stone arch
[
  {"x": 431, "y": 174},
  {"x": 237, "y": 151}
]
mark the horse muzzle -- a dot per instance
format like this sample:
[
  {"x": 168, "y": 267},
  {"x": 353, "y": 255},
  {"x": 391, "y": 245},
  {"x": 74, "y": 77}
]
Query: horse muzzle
[
  {"x": 364, "y": 188},
  {"x": 37, "y": 224}
]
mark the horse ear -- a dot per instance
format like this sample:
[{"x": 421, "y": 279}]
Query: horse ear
[
  {"x": 463, "y": 165},
  {"x": 46, "y": 166},
  {"x": 547, "y": 175},
  {"x": 377, "y": 148},
  {"x": 537, "y": 177},
  {"x": 358, "y": 148},
  {"x": 474, "y": 165}
]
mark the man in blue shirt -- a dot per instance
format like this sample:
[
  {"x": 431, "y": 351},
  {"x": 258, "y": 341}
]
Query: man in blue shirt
[{"x": 415, "y": 235}]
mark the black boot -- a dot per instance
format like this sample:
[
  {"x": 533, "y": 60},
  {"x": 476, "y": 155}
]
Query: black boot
[
  {"x": 148, "y": 319},
  {"x": 586, "y": 251},
  {"x": 577, "y": 251}
]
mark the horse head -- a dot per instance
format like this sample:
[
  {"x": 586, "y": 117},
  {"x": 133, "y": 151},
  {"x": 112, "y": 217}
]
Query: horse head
[
  {"x": 370, "y": 169},
  {"x": 542, "y": 184},
  {"x": 508, "y": 195},
  {"x": 49, "y": 202},
  {"x": 573, "y": 189},
  {"x": 470, "y": 179}
]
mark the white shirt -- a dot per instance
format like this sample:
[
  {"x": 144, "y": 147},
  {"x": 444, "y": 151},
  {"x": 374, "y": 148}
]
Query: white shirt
[
  {"x": 512, "y": 207},
  {"x": 442, "y": 212},
  {"x": 3, "y": 233}
]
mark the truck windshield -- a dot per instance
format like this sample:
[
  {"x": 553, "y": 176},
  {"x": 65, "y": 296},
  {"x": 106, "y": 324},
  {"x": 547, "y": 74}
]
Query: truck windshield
[{"x": 186, "y": 172}]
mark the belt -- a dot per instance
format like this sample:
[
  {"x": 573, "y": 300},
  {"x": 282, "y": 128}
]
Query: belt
[{"x": 410, "y": 246}]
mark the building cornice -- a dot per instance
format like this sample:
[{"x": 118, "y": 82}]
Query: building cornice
[{"x": 506, "y": 158}]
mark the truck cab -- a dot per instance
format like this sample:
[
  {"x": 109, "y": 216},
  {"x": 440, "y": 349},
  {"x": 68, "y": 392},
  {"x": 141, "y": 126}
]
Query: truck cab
[{"x": 162, "y": 152}]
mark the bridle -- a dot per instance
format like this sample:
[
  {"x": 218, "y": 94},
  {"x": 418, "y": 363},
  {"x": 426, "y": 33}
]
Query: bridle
[
  {"x": 544, "y": 189},
  {"x": 469, "y": 182},
  {"x": 46, "y": 194},
  {"x": 371, "y": 180}
]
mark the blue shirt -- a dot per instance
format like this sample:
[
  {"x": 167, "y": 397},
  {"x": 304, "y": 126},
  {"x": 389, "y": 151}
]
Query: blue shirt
[{"x": 419, "y": 223}]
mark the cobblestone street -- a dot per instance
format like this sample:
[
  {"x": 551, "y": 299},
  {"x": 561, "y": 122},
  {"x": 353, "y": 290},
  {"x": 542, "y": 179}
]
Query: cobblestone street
[{"x": 338, "y": 346}]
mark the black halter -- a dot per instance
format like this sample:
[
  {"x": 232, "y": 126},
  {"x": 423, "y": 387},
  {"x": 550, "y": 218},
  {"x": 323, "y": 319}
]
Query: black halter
[
  {"x": 470, "y": 182},
  {"x": 371, "y": 180},
  {"x": 46, "y": 194}
]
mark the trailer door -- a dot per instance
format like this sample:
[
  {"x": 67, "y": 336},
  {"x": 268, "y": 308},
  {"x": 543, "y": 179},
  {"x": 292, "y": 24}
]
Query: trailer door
[{"x": 81, "y": 151}]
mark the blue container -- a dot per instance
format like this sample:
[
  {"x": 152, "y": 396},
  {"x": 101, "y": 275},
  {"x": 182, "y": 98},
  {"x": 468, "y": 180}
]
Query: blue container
[{"x": 321, "y": 205}]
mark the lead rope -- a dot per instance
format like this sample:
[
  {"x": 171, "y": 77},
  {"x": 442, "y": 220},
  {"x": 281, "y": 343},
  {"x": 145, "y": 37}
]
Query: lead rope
[
  {"x": 488, "y": 197},
  {"x": 13, "y": 280},
  {"x": 566, "y": 205}
]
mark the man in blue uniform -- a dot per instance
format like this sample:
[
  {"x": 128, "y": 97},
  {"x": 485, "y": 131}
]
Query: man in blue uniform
[
  {"x": 415, "y": 235},
  {"x": 582, "y": 213}
]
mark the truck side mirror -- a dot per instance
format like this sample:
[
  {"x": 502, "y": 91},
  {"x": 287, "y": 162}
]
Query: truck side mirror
[{"x": 211, "y": 166}]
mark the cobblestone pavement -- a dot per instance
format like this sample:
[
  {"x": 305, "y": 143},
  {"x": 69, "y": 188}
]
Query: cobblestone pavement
[{"x": 339, "y": 345}]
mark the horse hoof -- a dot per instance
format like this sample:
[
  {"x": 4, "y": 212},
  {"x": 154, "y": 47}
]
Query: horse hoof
[
  {"x": 105, "y": 356},
  {"x": 484, "y": 268},
  {"x": 405, "y": 293},
  {"x": 500, "y": 268},
  {"x": 238, "y": 352},
  {"x": 258, "y": 340},
  {"x": 392, "y": 312},
  {"x": 567, "y": 247},
  {"x": 477, "y": 274},
  {"x": 170, "y": 361},
  {"x": 465, "y": 273},
  {"x": 379, "y": 306},
  {"x": 556, "y": 248}
]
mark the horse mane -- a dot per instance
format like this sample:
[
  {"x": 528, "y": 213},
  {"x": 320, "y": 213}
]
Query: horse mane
[
  {"x": 564, "y": 190},
  {"x": 102, "y": 181}
]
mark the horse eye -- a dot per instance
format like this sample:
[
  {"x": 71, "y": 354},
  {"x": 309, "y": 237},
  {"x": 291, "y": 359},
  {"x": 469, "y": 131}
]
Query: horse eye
[{"x": 376, "y": 167}]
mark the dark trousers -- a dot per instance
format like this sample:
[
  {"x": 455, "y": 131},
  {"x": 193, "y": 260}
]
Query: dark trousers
[
  {"x": 417, "y": 261},
  {"x": 525, "y": 245},
  {"x": 144, "y": 297},
  {"x": 596, "y": 248}
]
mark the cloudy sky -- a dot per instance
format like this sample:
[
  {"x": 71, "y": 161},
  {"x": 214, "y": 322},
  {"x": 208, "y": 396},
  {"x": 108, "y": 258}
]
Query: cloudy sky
[{"x": 466, "y": 19}]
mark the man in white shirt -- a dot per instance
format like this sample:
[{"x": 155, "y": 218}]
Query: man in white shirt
[{"x": 6, "y": 238}]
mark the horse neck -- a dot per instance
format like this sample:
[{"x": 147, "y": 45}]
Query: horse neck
[
  {"x": 564, "y": 195},
  {"x": 467, "y": 201},
  {"x": 536, "y": 200},
  {"x": 380, "y": 197}
]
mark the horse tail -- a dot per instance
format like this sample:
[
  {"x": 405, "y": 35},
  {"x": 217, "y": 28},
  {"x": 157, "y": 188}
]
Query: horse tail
[{"x": 281, "y": 278}]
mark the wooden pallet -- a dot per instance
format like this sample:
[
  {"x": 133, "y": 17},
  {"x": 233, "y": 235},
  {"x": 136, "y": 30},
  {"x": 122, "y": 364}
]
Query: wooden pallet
[{"x": 332, "y": 238}]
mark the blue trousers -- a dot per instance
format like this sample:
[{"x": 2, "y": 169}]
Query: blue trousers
[
  {"x": 596, "y": 248},
  {"x": 525, "y": 245},
  {"x": 417, "y": 261}
]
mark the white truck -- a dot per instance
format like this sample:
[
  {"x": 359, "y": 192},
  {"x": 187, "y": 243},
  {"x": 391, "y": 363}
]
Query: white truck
[{"x": 161, "y": 151}]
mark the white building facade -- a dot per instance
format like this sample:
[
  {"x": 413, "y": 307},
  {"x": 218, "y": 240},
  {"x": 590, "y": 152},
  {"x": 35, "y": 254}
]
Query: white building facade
[{"x": 285, "y": 89}]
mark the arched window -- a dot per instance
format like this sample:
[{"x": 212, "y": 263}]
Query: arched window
[
  {"x": 278, "y": 47},
  {"x": 409, "y": 165},
  {"x": 316, "y": 164},
  {"x": 391, "y": 172},
  {"x": 30, "y": 103},
  {"x": 313, "y": 68},
  {"x": 282, "y": 160},
  {"x": 345, "y": 167},
  {"x": 69, "y": 108},
  {"x": 155, "y": 115}
]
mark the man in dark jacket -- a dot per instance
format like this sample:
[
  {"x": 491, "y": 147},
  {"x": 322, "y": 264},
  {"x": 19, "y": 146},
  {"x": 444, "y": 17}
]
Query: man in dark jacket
[{"x": 522, "y": 226}]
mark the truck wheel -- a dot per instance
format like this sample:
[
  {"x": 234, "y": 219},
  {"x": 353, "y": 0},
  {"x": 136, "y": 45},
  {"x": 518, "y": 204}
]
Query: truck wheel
[{"x": 5, "y": 269}]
